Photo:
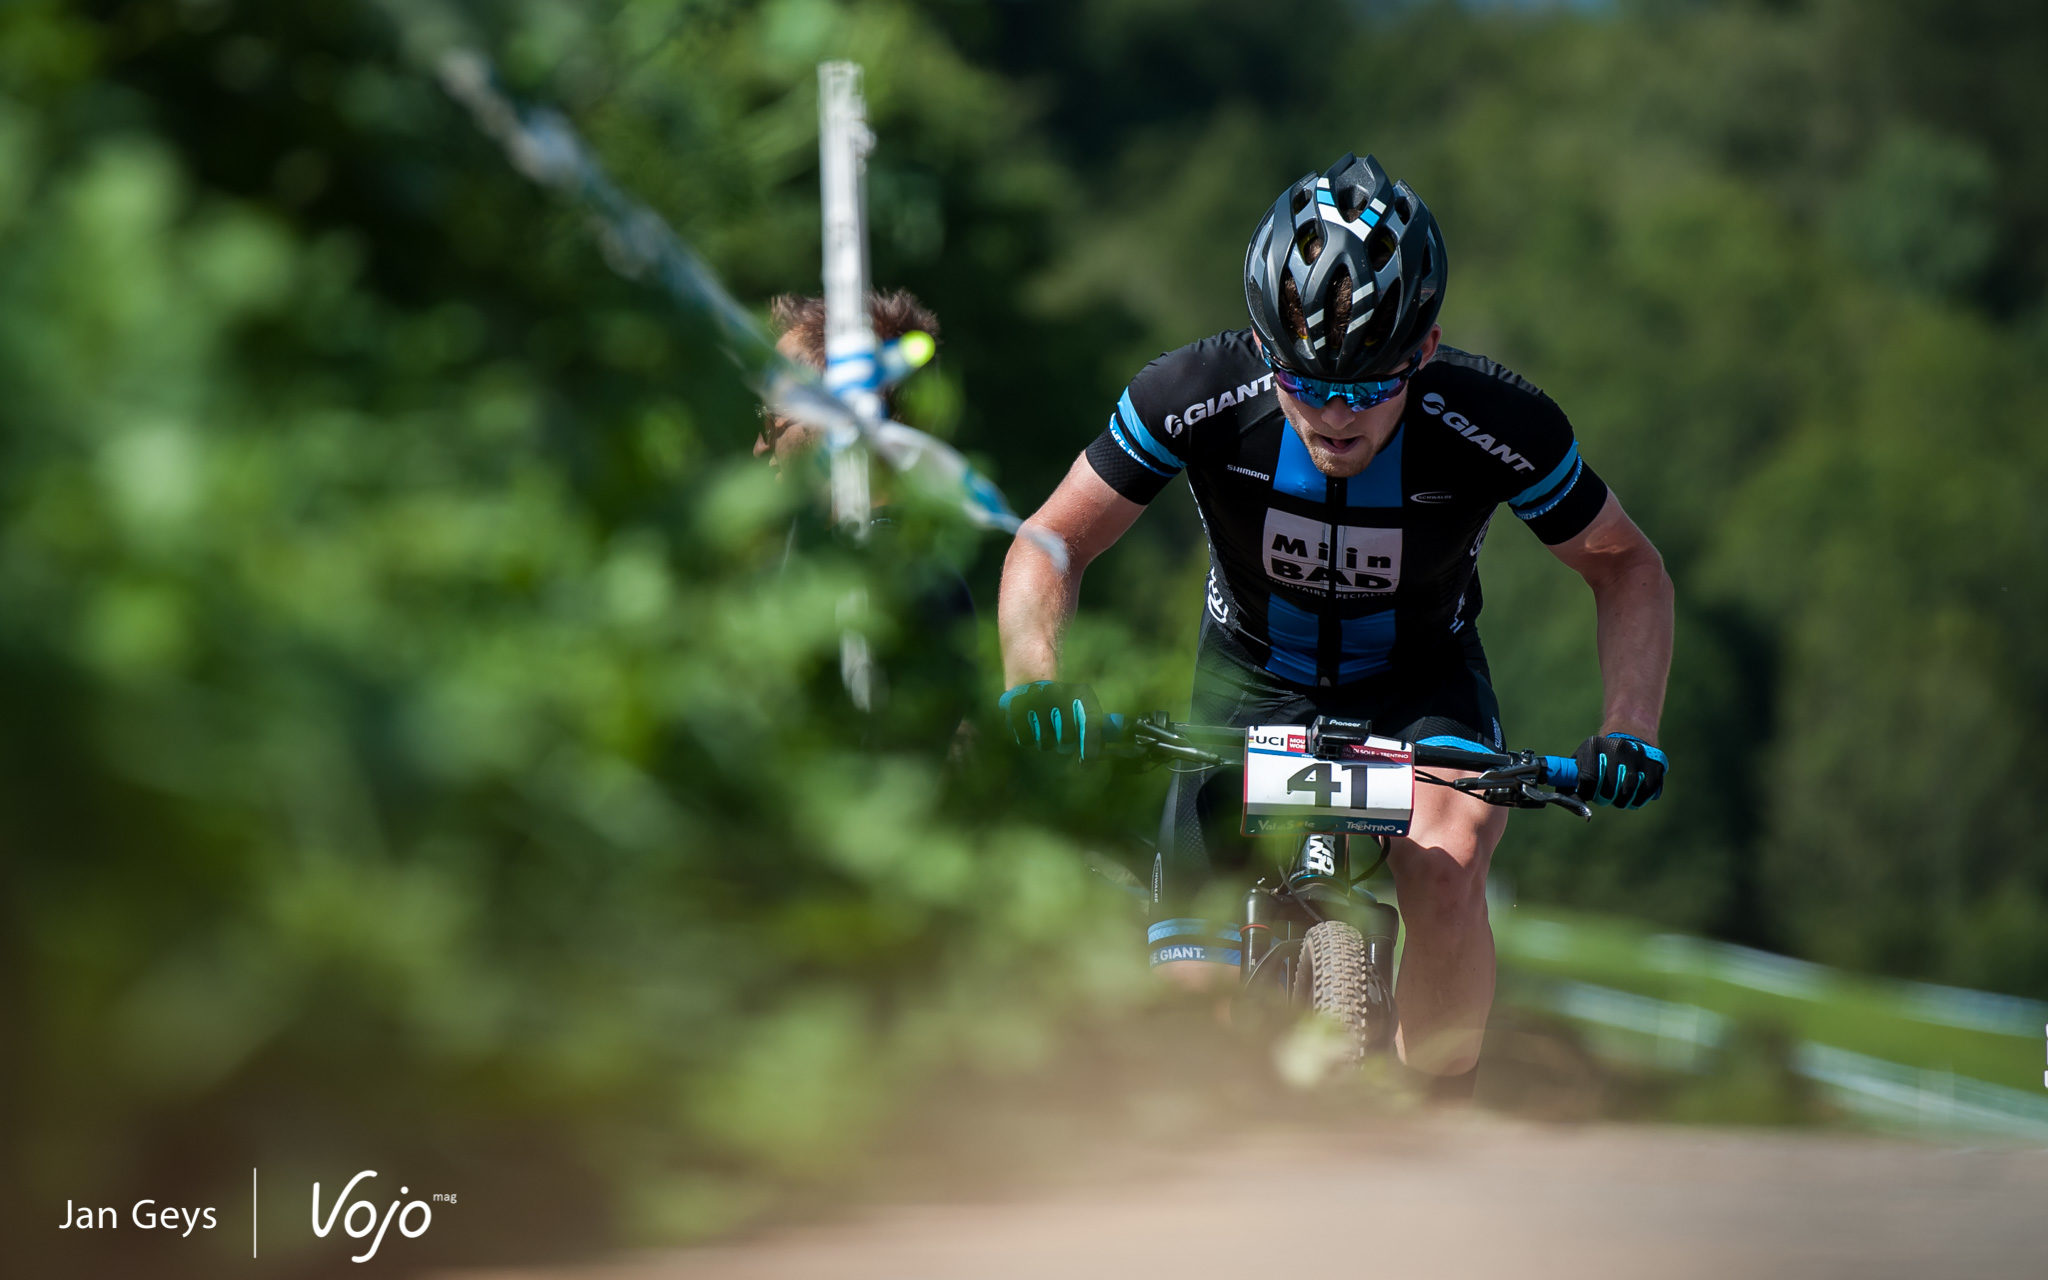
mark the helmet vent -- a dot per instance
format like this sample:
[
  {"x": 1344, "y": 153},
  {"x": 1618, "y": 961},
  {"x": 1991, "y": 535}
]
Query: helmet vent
[
  {"x": 1350, "y": 202},
  {"x": 1300, "y": 200},
  {"x": 1380, "y": 324},
  {"x": 1379, "y": 247},
  {"x": 1290, "y": 310},
  {"x": 1308, "y": 242},
  {"x": 1405, "y": 207},
  {"x": 1339, "y": 304}
]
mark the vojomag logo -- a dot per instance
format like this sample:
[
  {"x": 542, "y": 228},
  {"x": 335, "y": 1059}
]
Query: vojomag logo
[{"x": 366, "y": 1211}]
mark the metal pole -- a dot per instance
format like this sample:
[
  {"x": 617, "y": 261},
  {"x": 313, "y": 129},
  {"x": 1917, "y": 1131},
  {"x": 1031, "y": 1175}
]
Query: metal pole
[
  {"x": 843, "y": 145},
  {"x": 850, "y": 371}
]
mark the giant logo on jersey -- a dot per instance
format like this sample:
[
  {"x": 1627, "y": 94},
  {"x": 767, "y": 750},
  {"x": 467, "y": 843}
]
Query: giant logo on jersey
[
  {"x": 1433, "y": 405},
  {"x": 1188, "y": 417},
  {"x": 1350, "y": 560}
]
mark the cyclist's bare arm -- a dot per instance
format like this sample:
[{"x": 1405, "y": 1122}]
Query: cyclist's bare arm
[
  {"x": 1632, "y": 598},
  {"x": 1036, "y": 599}
]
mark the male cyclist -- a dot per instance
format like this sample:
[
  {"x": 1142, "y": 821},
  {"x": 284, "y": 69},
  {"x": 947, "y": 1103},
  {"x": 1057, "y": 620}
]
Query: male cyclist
[{"x": 1346, "y": 467}]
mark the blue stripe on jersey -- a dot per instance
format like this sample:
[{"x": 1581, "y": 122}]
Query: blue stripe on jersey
[
  {"x": 1557, "y": 495},
  {"x": 1291, "y": 631},
  {"x": 1535, "y": 493},
  {"x": 1137, "y": 455},
  {"x": 1143, "y": 437},
  {"x": 1368, "y": 646},
  {"x": 1379, "y": 485},
  {"x": 1296, "y": 472}
]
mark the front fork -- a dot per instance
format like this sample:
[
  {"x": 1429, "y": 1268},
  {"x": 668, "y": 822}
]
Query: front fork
[{"x": 1318, "y": 887}]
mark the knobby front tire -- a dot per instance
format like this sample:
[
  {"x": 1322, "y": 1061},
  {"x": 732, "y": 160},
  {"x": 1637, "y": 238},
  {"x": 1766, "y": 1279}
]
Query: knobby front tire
[{"x": 1336, "y": 977}]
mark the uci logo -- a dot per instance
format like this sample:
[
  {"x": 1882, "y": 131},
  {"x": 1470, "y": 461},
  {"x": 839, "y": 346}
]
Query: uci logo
[{"x": 366, "y": 1212}]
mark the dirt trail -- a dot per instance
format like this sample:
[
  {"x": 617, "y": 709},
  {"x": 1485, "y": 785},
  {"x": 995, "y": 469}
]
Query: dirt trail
[{"x": 1477, "y": 1197}]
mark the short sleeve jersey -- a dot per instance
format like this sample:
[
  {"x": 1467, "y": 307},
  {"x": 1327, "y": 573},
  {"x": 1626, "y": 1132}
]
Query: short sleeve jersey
[{"x": 1329, "y": 581}]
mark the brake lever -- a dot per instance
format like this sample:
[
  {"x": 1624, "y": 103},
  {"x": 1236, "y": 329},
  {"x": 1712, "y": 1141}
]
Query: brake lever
[
  {"x": 1515, "y": 787},
  {"x": 1567, "y": 802},
  {"x": 1503, "y": 781},
  {"x": 1509, "y": 793},
  {"x": 1151, "y": 738}
]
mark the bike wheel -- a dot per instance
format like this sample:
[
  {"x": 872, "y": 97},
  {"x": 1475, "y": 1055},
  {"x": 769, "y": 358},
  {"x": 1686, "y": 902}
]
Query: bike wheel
[{"x": 1337, "y": 976}]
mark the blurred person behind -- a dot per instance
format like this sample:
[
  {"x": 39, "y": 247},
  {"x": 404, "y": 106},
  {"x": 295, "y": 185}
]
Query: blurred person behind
[{"x": 926, "y": 657}]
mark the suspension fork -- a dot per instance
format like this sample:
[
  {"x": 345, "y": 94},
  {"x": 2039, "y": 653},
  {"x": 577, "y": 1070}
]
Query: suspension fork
[
  {"x": 1323, "y": 882},
  {"x": 1378, "y": 921},
  {"x": 1319, "y": 885}
]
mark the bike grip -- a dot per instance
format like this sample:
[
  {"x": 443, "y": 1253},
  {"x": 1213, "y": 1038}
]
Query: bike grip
[{"x": 1561, "y": 772}]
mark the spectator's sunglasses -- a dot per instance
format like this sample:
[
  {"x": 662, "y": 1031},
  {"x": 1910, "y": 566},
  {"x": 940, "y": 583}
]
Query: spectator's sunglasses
[{"x": 1356, "y": 395}]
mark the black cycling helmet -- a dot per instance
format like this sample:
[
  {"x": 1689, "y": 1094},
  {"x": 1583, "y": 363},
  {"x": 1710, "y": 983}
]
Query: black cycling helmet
[{"x": 1352, "y": 230}]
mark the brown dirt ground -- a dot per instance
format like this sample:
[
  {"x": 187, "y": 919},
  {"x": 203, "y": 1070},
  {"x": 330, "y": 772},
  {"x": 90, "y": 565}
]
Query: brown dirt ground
[{"x": 1444, "y": 1197}]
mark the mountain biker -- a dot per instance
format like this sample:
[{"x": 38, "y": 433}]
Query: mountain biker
[
  {"x": 926, "y": 662},
  {"x": 1346, "y": 466}
]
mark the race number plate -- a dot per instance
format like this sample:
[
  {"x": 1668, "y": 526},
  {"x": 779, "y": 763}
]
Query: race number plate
[{"x": 1286, "y": 790}]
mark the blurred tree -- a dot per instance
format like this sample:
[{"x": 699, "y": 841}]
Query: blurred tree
[{"x": 411, "y": 755}]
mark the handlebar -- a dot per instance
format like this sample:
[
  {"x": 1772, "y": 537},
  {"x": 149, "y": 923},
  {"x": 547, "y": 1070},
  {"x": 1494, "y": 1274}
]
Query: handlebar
[
  {"x": 1559, "y": 772},
  {"x": 1518, "y": 779}
]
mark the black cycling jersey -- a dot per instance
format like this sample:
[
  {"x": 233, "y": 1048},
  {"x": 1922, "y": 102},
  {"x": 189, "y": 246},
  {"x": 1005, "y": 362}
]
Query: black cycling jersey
[{"x": 1331, "y": 581}]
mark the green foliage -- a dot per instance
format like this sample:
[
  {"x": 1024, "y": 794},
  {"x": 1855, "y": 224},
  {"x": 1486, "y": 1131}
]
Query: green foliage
[
  {"x": 418, "y": 745},
  {"x": 1919, "y": 212},
  {"x": 417, "y": 741}
]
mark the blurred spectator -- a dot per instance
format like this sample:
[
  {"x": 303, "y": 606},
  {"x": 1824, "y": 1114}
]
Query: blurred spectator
[
  {"x": 799, "y": 323},
  {"x": 927, "y": 667}
]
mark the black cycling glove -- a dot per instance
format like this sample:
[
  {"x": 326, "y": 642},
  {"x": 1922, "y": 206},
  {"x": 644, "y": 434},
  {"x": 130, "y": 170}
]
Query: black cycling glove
[
  {"x": 1620, "y": 769},
  {"x": 1054, "y": 715}
]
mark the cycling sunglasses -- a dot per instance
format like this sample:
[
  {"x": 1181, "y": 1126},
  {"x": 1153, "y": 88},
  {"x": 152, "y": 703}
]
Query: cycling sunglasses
[{"x": 1356, "y": 395}]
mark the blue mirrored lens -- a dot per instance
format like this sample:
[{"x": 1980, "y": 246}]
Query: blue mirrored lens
[{"x": 1356, "y": 395}]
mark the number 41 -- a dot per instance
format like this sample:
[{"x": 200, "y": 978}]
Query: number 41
[{"x": 1320, "y": 779}]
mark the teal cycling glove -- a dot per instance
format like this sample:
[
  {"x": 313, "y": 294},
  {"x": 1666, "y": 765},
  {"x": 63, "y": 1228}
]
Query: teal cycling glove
[
  {"x": 1054, "y": 715},
  {"x": 1620, "y": 769}
]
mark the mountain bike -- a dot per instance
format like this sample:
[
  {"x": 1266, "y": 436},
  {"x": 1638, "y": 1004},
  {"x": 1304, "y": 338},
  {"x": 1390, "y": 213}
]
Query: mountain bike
[{"x": 1313, "y": 938}]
